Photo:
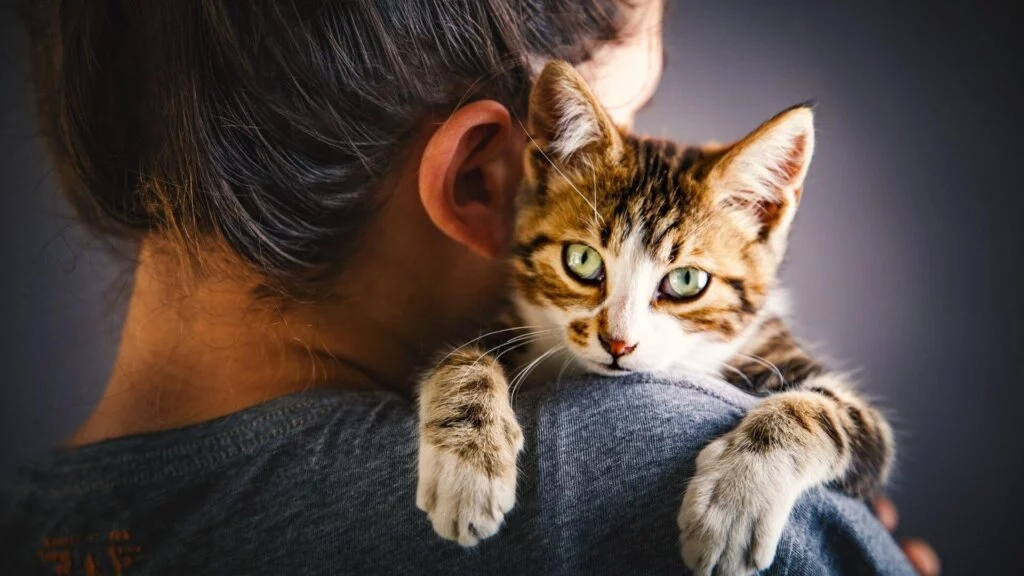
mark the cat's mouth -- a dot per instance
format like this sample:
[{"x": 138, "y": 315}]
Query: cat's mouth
[
  {"x": 606, "y": 368},
  {"x": 614, "y": 365}
]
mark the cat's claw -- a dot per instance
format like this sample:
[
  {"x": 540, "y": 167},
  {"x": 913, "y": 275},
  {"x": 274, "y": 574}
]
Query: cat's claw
[
  {"x": 463, "y": 502},
  {"x": 734, "y": 510}
]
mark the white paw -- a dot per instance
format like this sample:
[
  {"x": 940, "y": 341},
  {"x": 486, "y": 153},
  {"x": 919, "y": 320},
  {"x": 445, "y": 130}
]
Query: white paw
[
  {"x": 734, "y": 510},
  {"x": 463, "y": 502}
]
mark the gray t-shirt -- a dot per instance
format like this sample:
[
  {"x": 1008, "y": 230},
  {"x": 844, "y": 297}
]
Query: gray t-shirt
[{"x": 324, "y": 482}]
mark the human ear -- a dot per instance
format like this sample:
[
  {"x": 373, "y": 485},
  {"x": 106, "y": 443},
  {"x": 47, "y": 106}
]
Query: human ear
[{"x": 469, "y": 174}]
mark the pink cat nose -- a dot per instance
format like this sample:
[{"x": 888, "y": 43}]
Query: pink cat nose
[{"x": 617, "y": 348}]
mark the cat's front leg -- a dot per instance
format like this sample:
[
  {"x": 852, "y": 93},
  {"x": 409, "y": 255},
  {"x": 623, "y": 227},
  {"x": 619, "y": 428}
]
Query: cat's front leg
[
  {"x": 746, "y": 483},
  {"x": 469, "y": 442}
]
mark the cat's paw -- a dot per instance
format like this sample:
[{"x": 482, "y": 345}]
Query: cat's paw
[
  {"x": 735, "y": 509},
  {"x": 464, "y": 503},
  {"x": 467, "y": 498}
]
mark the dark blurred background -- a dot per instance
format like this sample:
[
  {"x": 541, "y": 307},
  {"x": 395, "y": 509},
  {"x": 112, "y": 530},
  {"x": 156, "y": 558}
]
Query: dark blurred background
[{"x": 904, "y": 263}]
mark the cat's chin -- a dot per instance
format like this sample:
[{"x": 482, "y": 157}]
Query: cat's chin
[{"x": 604, "y": 369}]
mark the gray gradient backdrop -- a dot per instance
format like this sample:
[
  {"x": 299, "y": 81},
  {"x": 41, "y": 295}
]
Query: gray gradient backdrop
[{"x": 903, "y": 264}]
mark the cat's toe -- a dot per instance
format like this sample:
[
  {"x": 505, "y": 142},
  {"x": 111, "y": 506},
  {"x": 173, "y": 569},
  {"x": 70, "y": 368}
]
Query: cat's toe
[
  {"x": 426, "y": 485},
  {"x": 767, "y": 533},
  {"x": 702, "y": 539}
]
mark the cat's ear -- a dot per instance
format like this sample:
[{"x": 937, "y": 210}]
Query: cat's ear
[
  {"x": 566, "y": 121},
  {"x": 761, "y": 177}
]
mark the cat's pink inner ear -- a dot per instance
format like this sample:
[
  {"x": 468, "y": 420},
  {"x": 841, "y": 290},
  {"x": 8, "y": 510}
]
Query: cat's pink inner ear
[
  {"x": 767, "y": 168},
  {"x": 791, "y": 166},
  {"x": 565, "y": 117},
  {"x": 761, "y": 177}
]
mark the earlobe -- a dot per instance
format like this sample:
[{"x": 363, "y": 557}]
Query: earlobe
[{"x": 469, "y": 174}]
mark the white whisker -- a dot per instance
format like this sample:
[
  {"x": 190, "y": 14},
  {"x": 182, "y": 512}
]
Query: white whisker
[
  {"x": 528, "y": 337},
  {"x": 519, "y": 345},
  {"x": 558, "y": 379},
  {"x": 740, "y": 372},
  {"x": 478, "y": 338},
  {"x": 766, "y": 364},
  {"x": 560, "y": 173},
  {"x": 525, "y": 372}
]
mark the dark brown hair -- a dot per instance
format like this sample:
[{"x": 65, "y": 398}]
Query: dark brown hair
[{"x": 269, "y": 125}]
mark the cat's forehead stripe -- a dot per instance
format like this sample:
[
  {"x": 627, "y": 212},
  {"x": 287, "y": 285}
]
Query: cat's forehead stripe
[{"x": 655, "y": 196}]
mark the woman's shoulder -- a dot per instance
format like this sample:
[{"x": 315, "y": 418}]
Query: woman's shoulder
[
  {"x": 680, "y": 414},
  {"x": 602, "y": 476},
  {"x": 582, "y": 407}
]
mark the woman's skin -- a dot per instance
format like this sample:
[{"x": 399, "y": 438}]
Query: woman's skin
[{"x": 196, "y": 346}]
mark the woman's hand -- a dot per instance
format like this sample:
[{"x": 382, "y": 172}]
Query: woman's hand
[{"x": 921, "y": 556}]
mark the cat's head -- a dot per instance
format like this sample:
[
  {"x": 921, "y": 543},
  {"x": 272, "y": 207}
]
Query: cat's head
[{"x": 641, "y": 255}]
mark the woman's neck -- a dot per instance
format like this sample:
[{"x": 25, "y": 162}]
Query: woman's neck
[
  {"x": 196, "y": 350},
  {"x": 200, "y": 348}
]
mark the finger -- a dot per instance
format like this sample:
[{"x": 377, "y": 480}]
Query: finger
[
  {"x": 922, "y": 557},
  {"x": 886, "y": 512}
]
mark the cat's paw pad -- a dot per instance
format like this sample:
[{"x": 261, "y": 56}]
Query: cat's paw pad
[
  {"x": 465, "y": 501},
  {"x": 734, "y": 510}
]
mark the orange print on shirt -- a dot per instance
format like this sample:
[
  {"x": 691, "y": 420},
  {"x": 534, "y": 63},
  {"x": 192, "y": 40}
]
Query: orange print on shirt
[{"x": 96, "y": 554}]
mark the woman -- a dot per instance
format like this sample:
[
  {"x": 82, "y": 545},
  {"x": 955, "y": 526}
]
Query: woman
[{"x": 321, "y": 193}]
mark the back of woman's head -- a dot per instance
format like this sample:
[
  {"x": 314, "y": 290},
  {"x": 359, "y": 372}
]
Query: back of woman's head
[{"x": 269, "y": 127}]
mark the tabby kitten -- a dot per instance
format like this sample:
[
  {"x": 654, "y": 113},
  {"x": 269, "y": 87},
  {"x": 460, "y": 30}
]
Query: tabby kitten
[{"x": 637, "y": 255}]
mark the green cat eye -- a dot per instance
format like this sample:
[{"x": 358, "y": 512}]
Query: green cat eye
[
  {"x": 685, "y": 283},
  {"x": 583, "y": 262}
]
